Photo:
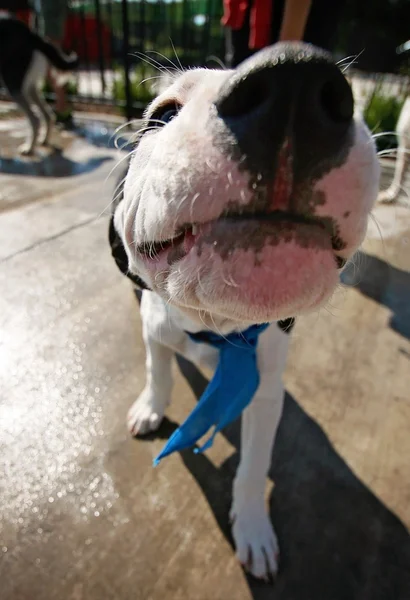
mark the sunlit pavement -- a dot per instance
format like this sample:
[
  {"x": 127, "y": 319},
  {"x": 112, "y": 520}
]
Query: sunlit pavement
[{"x": 84, "y": 516}]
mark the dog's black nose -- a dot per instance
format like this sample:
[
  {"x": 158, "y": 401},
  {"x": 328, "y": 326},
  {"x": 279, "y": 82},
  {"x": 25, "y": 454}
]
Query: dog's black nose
[{"x": 293, "y": 93}]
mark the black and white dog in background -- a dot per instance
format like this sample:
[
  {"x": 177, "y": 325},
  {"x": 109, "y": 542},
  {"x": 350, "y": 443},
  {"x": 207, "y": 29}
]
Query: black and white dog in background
[
  {"x": 402, "y": 165},
  {"x": 246, "y": 194},
  {"x": 24, "y": 60}
]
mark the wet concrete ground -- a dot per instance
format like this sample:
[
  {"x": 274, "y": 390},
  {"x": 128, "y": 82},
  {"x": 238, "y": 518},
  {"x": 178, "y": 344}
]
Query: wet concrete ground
[{"x": 84, "y": 516}]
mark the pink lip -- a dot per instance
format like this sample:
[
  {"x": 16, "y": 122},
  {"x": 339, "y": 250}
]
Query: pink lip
[
  {"x": 226, "y": 234},
  {"x": 174, "y": 249}
]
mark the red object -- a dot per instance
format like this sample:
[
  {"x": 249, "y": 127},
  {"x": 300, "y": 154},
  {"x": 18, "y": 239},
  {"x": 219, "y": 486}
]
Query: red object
[
  {"x": 81, "y": 35},
  {"x": 260, "y": 19},
  {"x": 25, "y": 16}
]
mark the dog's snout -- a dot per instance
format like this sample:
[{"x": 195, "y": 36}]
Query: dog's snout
[{"x": 291, "y": 92}]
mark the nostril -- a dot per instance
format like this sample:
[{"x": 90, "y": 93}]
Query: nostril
[
  {"x": 336, "y": 100},
  {"x": 248, "y": 94}
]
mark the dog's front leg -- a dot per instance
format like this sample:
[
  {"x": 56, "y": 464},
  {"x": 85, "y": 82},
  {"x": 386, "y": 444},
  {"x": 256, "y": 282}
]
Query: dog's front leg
[
  {"x": 146, "y": 413},
  {"x": 254, "y": 537}
]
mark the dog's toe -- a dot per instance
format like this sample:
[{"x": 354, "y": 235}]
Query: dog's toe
[
  {"x": 256, "y": 545},
  {"x": 387, "y": 197},
  {"x": 26, "y": 150},
  {"x": 146, "y": 414}
]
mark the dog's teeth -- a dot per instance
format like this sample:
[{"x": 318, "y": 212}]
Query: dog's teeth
[{"x": 194, "y": 229}]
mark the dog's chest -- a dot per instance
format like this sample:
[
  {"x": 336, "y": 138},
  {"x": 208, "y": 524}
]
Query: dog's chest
[{"x": 169, "y": 327}]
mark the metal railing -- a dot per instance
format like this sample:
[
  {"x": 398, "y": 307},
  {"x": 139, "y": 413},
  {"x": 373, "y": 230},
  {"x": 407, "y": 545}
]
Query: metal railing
[{"x": 124, "y": 45}]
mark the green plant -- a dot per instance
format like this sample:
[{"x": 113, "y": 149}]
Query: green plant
[
  {"x": 381, "y": 115},
  {"x": 71, "y": 87},
  {"x": 141, "y": 84}
]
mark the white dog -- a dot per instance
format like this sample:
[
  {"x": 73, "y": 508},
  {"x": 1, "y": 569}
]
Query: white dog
[
  {"x": 246, "y": 194},
  {"x": 403, "y": 156}
]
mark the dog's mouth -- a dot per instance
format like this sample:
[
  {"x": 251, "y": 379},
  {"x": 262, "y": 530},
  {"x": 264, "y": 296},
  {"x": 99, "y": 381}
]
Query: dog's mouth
[{"x": 247, "y": 230}]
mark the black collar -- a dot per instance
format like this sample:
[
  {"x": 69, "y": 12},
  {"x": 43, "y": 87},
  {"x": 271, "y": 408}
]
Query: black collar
[{"x": 120, "y": 256}]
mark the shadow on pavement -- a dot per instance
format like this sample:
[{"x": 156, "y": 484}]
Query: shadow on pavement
[
  {"x": 385, "y": 284},
  {"x": 54, "y": 165},
  {"x": 101, "y": 136},
  {"x": 338, "y": 541}
]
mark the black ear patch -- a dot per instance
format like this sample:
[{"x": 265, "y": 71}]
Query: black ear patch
[{"x": 117, "y": 247}]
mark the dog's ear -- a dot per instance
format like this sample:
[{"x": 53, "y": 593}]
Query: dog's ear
[{"x": 117, "y": 247}]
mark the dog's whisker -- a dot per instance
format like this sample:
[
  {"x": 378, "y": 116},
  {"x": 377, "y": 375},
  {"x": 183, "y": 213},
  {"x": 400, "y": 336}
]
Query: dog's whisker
[
  {"x": 393, "y": 152},
  {"x": 201, "y": 316},
  {"x": 146, "y": 128},
  {"x": 117, "y": 192},
  {"x": 155, "y": 64},
  {"x": 176, "y": 55},
  {"x": 179, "y": 68},
  {"x": 219, "y": 332},
  {"x": 150, "y": 79},
  {"x": 139, "y": 134},
  {"x": 327, "y": 309},
  {"x": 181, "y": 202},
  {"x": 383, "y": 133},
  {"x": 160, "y": 274},
  {"x": 191, "y": 208},
  {"x": 345, "y": 59},
  {"x": 212, "y": 168},
  {"x": 118, "y": 186},
  {"x": 353, "y": 61},
  {"x": 120, "y": 161},
  {"x": 218, "y": 61},
  {"x": 116, "y": 132},
  {"x": 230, "y": 282},
  {"x": 358, "y": 262}
]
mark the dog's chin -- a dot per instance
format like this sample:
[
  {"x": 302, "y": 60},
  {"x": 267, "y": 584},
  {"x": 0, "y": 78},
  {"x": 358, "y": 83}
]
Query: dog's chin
[{"x": 249, "y": 272}]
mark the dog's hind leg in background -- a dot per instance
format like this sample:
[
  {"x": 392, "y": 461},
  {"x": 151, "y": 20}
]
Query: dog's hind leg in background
[
  {"x": 28, "y": 97},
  {"x": 403, "y": 157},
  {"x": 25, "y": 57},
  {"x": 23, "y": 102}
]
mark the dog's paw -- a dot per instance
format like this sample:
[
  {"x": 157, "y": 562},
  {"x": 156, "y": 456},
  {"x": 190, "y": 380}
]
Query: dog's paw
[
  {"x": 146, "y": 414},
  {"x": 387, "y": 197},
  {"x": 256, "y": 543},
  {"x": 26, "y": 150}
]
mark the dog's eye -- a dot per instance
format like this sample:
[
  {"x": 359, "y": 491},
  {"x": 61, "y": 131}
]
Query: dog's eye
[{"x": 164, "y": 114}]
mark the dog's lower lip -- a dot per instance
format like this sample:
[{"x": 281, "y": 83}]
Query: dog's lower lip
[{"x": 174, "y": 247}]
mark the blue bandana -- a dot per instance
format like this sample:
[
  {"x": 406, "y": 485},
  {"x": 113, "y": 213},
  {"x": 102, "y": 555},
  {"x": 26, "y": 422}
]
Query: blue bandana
[{"x": 229, "y": 392}]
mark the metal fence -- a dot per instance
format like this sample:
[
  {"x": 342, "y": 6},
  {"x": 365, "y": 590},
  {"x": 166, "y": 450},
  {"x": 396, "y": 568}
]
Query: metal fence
[{"x": 124, "y": 45}]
